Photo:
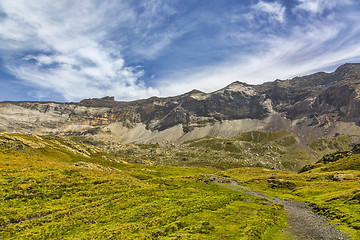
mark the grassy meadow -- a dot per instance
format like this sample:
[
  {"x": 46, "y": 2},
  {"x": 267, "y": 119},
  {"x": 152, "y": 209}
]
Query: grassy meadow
[
  {"x": 332, "y": 188},
  {"x": 278, "y": 150},
  {"x": 54, "y": 188}
]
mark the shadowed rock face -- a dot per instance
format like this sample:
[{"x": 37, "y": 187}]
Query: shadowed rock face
[
  {"x": 317, "y": 94},
  {"x": 322, "y": 98}
]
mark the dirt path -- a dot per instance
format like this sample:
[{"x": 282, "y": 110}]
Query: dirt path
[{"x": 303, "y": 223}]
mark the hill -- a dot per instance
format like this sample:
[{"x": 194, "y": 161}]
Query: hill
[
  {"x": 54, "y": 187},
  {"x": 317, "y": 106}
]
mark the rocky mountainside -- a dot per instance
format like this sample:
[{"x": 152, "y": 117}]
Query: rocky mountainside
[{"x": 318, "y": 105}]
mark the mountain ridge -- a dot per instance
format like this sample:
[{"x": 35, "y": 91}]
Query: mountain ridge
[{"x": 320, "y": 105}]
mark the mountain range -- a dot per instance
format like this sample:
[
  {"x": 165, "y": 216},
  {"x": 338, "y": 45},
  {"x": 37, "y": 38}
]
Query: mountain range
[{"x": 320, "y": 105}]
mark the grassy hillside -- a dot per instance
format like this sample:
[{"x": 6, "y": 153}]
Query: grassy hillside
[
  {"x": 281, "y": 150},
  {"x": 339, "y": 160},
  {"x": 332, "y": 191},
  {"x": 330, "y": 145},
  {"x": 54, "y": 188}
]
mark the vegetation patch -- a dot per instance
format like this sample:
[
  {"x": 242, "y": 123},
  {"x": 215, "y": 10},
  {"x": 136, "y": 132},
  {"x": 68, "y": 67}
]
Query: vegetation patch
[
  {"x": 335, "y": 199},
  {"x": 56, "y": 192}
]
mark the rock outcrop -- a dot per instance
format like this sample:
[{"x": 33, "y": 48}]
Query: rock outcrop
[{"x": 318, "y": 105}]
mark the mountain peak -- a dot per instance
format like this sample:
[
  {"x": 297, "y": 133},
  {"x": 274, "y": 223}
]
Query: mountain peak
[
  {"x": 108, "y": 98},
  {"x": 198, "y": 95},
  {"x": 237, "y": 86},
  {"x": 195, "y": 91},
  {"x": 348, "y": 67},
  {"x": 289, "y": 104}
]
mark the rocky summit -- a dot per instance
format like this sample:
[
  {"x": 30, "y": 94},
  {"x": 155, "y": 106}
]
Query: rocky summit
[{"x": 320, "y": 105}]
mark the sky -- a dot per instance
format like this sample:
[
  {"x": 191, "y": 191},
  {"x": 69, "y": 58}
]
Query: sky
[{"x": 69, "y": 50}]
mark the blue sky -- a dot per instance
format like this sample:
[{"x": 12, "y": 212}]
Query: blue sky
[{"x": 70, "y": 50}]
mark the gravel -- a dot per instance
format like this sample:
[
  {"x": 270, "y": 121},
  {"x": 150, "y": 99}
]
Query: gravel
[{"x": 303, "y": 223}]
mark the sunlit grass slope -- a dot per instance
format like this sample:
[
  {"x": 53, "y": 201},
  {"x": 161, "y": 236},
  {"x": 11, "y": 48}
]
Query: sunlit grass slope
[
  {"x": 53, "y": 188},
  {"x": 332, "y": 190},
  {"x": 280, "y": 150}
]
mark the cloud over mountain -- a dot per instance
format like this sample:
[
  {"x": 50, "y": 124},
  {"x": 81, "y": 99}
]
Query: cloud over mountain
[{"x": 137, "y": 49}]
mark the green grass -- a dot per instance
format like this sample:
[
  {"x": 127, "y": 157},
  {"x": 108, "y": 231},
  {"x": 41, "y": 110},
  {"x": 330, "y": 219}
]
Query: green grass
[
  {"x": 341, "y": 160},
  {"x": 337, "y": 200},
  {"x": 53, "y": 188},
  {"x": 330, "y": 145},
  {"x": 279, "y": 150},
  {"x": 56, "y": 188},
  {"x": 275, "y": 150}
]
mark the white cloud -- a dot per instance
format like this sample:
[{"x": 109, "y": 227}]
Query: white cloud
[
  {"x": 305, "y": 49},
  {"x": 319, "y": 6},
  {"x": 151, "y": 29},
  {"x": 67, "y": 51},
  {"x": 64, "y": 46},
  {"x": 274, "y": 11}
]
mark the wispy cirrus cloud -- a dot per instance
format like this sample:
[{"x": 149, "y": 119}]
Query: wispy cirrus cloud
[
  {"x": 319, "y": 6},
  {"x": 272, "y": 10},
  {"x": 66, "y": 47},
  {"x": 137, "y": 49},
  {"x": 307, "y": 46}
]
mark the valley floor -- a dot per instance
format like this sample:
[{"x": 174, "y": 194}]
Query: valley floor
[{"x": 55, "y": 188}]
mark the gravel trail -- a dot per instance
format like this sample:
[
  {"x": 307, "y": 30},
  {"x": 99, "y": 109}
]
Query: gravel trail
[{"x": 303, "y": 223}]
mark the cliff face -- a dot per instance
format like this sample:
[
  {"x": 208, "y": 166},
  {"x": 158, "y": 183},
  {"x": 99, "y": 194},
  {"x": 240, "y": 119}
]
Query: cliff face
[
  {"x": 237, "y": 101},
  {"x": 321, "y": 104}
]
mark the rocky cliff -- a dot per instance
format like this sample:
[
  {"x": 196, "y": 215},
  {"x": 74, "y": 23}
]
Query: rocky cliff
[{"x": 313, "y": 106}]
